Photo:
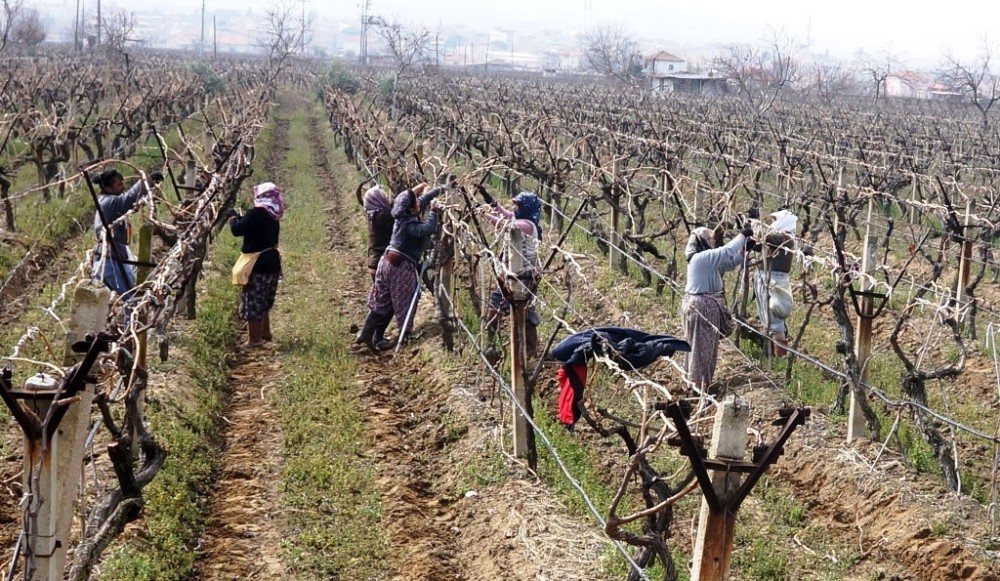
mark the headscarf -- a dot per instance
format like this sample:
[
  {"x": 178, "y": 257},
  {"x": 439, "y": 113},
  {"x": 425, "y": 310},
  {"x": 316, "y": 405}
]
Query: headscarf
[
  {"x": 528, "y": 207},
  {"x": 699, "y": 240},
  {"x": 784, "y": 221},
  {"x": 402, "y": 205},
  {"x": 268, "y": 196},
  {"x": 375, "y": 201}
]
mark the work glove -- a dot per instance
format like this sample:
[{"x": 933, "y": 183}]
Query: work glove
[
  {"x": 485, "y": 195},
  {"x": 753, "y": 213},
  {"x": 156, "y": 177},
  {"x": 232, "y": 214}
]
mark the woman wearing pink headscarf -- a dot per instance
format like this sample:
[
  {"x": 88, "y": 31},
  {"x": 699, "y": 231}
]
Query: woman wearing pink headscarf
[{"x": 260, "y": 228}]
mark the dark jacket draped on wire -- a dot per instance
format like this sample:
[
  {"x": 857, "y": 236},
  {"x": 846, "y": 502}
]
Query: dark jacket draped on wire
[{"x": 633, "y": 348}]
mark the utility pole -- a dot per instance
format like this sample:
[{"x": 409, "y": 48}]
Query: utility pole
[
  {"x": 99, "y": 25},
  {"x": 510, "y": 40},
  {"x": 76, "y": 29},
  {"x": 437, "y": 49},
  {"x": 215, "y": 39},
  {"x": 201, "y": 45},
  {"x": 365, "y": 21},
  {"x": 302, "y": 31}
]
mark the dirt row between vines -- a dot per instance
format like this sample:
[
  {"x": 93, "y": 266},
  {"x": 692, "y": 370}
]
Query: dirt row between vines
[
  {"x": 243, "y": 535},
  {"x": 430, "y": 426}
]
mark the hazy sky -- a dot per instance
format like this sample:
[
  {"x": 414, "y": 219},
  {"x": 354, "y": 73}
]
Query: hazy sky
[{"x": 921, "y": 36}]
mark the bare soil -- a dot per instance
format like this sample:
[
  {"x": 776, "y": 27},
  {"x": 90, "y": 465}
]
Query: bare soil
[
  {"x": 243, "y": 531},
  {"x": 429, "y": 426}
]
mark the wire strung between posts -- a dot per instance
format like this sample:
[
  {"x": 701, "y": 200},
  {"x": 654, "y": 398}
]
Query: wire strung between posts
[
  {"x": 886, "y": 399},
  {"x": 545, "y": 439}
]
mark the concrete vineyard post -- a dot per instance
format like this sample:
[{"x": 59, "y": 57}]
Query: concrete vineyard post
[
  {"x": 58, "y": 469},
  {"x": 714, "y": 544}
]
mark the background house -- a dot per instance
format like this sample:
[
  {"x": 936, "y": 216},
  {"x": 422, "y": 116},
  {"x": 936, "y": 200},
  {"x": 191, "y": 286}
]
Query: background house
[
  {"x": 667, "y": 73},
  {"x": 664, "y": 63}
]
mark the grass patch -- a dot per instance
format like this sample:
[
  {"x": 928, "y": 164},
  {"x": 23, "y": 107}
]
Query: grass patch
[
  {"x": 328, "y": 482},
  {"x": 187, "y": 425}
]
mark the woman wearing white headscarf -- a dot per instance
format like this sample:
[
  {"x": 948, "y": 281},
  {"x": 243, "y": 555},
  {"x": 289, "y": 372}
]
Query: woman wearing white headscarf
[
  {"x": 772, "y": 286},
  {"x": 703, "y": 310}
]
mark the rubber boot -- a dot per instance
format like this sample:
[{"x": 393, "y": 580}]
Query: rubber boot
[
  {"x": 779, "y": 342},
  {"x": 255, "y": 333},
  {"x": 381, "y": 343},
  {"x": 367, "y": 334},
  {"x": 266, "y": 327}
]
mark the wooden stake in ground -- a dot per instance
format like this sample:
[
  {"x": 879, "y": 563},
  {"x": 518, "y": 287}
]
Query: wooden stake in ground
[
  {"x": 856, "y": 426},
  {"x": 518, "y": 306},
  {"x": 188, "y": 300},
  {"x": 964, "y": 262},
  {"x": 716, "y": 527}
]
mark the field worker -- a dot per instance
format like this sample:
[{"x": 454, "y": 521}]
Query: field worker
[
  {"x": 526, "y": 217},
  {"x": 112, "y": 258},
  {"x": 704, "y": 312},
  {"x": 378, "y": 212},
  {"x": 396, "y": 289},
  {"x": 772, "y": 286},
  {"x": 258, "y": 269}
]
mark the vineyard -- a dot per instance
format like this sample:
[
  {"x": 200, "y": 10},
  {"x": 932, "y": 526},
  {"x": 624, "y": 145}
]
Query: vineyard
[{"x": 869, "y": 451}]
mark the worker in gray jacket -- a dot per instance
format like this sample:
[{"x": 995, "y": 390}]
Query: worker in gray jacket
[{"x": 704, "y": 312}]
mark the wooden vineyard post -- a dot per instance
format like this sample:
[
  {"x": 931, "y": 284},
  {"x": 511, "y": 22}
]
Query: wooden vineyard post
[
  {"x": 55, "y": 472},
  {"x": 444, "y": 289},
  {"x": 856, "y": 425},
  {"x": 713, "y": 546},
  {"x": 189, "y": 298},
  {"x": 523, "y": 436},
  {"x": 142, "y": 273},
  {"x": 914, "y": 213},
  {"x": 615, "y": 256},
  {"x": 964, "y": 261},
  {"x": 698, "y": 203}
]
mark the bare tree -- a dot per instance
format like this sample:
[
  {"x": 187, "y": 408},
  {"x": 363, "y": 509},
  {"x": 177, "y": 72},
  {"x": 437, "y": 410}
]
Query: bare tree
[
  {"x": 611, "y": 51},
  {"x": 975, "y": 78},
  {"x": 8, "y": 18},
  {"x": 828, "y": 81},
  {"x": 761, "y": 71},
  {"x": 28, "y": 30},
  {"x": 877, "y": 69},
  {"x": 406, "y": 45},
  {"x": 119, "y": 29},
  {"x": 284, "y": 34}
]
